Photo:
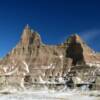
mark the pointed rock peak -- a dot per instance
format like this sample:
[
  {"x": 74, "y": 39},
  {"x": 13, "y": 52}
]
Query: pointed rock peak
[
  {"x": 27, "y": 30},
  {"x": 26, "y": 34},
  {"x": 29, "y": 36},
  {"x": 74, "y": 38}
]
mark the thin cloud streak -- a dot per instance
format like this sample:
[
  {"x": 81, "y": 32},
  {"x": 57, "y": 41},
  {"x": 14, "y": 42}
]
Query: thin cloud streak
[{"x": 92, "y": 37}]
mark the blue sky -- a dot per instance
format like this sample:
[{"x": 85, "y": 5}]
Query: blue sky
[{"x": 55, "y": 20}]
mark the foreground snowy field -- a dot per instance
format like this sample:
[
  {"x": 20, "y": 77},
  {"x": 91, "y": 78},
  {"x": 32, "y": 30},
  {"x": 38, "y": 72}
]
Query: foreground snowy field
[{"x": 51, "y": 95}]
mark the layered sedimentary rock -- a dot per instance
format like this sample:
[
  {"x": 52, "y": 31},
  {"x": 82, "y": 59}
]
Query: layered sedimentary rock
[{"x": 33, "y": 62}]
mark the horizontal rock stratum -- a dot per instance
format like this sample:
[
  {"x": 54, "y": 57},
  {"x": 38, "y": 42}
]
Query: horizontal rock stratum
[{"x": 32, "y": 62}]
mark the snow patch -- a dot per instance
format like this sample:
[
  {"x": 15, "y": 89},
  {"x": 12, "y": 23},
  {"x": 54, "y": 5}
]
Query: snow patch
[
  {"x": 94, "y": 64},
  {"x": 5, "y": 69},
  {"x": 22, "y": 83},
  {"x": 26, "y": 66},
  {"x": 41, "y": 80},
  {"x": 12, "y": 72},
  {"x": 61, "y": 80},
  {"x": 77, "y": 80},
  {"x": 61, "y": 56},
  {"x": 48, "y": 95}
]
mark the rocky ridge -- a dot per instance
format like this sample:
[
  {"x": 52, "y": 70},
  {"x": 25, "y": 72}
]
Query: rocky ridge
[{"x": 34, "y": 64}]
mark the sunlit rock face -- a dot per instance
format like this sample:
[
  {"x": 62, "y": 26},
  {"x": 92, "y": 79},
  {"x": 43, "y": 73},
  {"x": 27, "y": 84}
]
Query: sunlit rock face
[
  {"x": 30, "y": 37},
  {"x": 32, "y": 62}
]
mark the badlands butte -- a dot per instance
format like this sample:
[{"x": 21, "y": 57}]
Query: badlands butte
[{"x": 33, "y": 64}]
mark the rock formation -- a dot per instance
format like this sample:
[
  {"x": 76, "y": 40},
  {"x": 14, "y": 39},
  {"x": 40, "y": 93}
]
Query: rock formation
[{"x": 32, "y": 62}]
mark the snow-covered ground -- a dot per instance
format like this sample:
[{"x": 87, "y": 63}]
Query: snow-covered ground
[{"x": 51, "y": 95}]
